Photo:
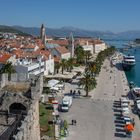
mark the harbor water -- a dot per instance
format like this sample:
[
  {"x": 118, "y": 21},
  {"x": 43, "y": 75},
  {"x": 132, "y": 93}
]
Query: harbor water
[{"x": 134, "y": 73}]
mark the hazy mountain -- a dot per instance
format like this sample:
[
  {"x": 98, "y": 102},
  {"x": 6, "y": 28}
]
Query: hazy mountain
[
  {"x": 65, "y": 31},
  {"x": 10, "y": 29}
]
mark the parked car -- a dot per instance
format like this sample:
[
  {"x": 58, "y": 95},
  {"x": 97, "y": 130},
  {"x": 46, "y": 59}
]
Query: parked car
[
  {"x": 66, "y": 103},
  {"x": 125, "y": 110},
  {"x": 127, "y": 119}
]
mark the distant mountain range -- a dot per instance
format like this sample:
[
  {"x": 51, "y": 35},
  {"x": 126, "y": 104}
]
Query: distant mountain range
[
  {"x": 65, "y": 31},
  {"x": 10, "y": 29}
]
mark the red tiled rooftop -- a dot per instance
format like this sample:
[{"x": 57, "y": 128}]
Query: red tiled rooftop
[
  {"x": 4, "y": 58},
  {"x": 62, "y": 49}
]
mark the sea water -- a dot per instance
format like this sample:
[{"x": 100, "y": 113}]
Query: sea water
[{"x": 134, "y": 73}]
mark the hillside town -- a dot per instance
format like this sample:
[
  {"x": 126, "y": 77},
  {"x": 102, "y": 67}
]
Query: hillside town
[
  {"x": 54, "y": 88},
  {"x": 40, "y": 55}
]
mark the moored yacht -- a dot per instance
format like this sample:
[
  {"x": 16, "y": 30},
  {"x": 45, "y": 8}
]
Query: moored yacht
[{"x": 128, "y": 62}]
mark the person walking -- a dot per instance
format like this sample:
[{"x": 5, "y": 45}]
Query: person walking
[
  {"x": 72, "y": 122},
  {"x": 70, "y": 92},
  {"x": 79, "y": 92},
  {"x": 74, "y": 92},
  {"x": 133, "y": 122}
]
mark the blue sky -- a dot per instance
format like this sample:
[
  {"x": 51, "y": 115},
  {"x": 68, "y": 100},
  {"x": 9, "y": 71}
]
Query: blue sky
[{"x": 103, "y": 15}]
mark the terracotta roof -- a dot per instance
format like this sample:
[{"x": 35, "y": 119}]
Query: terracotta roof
[
  {"x": 59, "y": 42},
  {"x": 62, "y": 49},
  {"x": 28, "y": 46},
  {"x": 4, "y": 58},
  {"x": 45, "y": 53},
  {"x": 18, "y": 53}
]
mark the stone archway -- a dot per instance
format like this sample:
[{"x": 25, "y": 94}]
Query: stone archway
[{"x": 17, "y": 108}]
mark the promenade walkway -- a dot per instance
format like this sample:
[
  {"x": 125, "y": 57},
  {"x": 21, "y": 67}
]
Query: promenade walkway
[
  {"x": 95, "y": 116},
  {"x": 112, "y": 83}
]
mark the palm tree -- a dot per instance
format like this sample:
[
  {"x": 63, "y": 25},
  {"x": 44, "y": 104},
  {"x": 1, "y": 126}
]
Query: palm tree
[
  {"x": 88, "y": 83},
  {"x": 80, "y": 53},
  {"x": 57, "y": 67},
  {"x": 92, "y": 68},
  {"x": 63, "y": 65},
  {"x": 70, "y": 63},
  {"x": 87, "y": 55}
]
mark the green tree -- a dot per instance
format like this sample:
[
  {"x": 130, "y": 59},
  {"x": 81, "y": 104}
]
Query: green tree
[
  {"x": 87, "y": 56},
  {"x": 92, "y": 68},
  {"x": 80, "y": 53},
  {"x": 7, "y": 68},
  {"x": 56, "y": 67},
  {"x": 70, "y": 63},
  {"x": 88, "y": 82},
  {"x": 63, "y": 65}
]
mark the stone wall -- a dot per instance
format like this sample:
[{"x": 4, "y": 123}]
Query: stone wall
[
  {"x": 37, "y": 87},
  {"x": 30, "y": 128},
  {"x": 15, "y": 77}
]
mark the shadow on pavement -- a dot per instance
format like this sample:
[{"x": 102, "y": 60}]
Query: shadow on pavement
[
  {"x": 119, "y": 121},
  {"x": 119, "y": 125},
  {"x": 117, "y": 110},
  {"x": 117, "y": 106},
  {"x": 120, "y": 130},
  {"x": 117, "y": 115},
  {"x": 120, "y": 135}
]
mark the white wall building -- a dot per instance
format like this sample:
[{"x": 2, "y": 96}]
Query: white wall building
[
  {"x": 88, "y": 47},
  {"x": 40, "y": 66},
  {"x": 99, "y": 47}
]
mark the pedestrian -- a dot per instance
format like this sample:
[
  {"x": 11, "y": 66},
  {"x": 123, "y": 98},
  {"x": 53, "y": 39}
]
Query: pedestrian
[
  {"x": 70, "y": 92},
  {"x": 79, "y": 92},
  {"x": 133, "y": 122},
  {"x": 72, "y": 122}
]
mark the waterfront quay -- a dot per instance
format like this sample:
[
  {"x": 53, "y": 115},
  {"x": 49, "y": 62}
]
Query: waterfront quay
[{"x": 97, "y": 117}]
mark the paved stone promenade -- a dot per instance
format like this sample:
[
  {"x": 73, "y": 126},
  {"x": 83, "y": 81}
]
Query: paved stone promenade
[{"x": 95, "y": 116}]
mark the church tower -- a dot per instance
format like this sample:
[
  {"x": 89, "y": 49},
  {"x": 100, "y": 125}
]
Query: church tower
[
  {"x": 43, "y": 34},
  {"x": 72, "y": 49}
]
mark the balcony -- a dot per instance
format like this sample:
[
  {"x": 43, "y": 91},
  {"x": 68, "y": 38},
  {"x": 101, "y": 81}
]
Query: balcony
[{"x": 35, "y": 66}]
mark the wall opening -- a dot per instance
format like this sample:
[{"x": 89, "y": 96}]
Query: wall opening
[{"x": 17, "y": 108}]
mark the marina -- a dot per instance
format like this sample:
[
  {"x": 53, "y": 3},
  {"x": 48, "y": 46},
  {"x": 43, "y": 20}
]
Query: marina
[{"x": 132, "y": 75}]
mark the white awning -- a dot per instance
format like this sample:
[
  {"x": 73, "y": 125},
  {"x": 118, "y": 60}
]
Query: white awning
[{"x": 52, "y": 83}]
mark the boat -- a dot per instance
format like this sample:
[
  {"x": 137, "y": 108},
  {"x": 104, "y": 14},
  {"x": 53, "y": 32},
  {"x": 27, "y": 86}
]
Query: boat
[
  {"x": 128, "y": 62},
  {"x": 129, "y": 45}
]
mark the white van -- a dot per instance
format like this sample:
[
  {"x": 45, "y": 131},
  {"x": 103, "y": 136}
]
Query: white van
[{"x": 66, "y": 103}]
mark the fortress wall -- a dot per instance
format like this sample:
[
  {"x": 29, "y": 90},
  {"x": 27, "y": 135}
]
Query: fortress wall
[{"x": 30, "y": 128}]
